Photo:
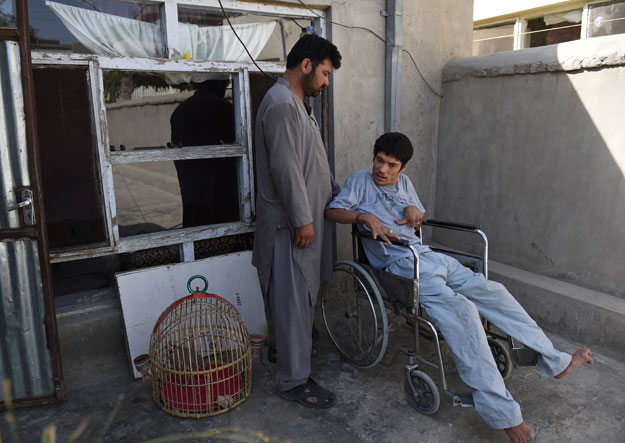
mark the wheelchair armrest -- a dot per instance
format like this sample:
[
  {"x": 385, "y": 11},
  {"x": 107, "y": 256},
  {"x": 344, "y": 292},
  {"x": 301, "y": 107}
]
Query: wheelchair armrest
[
  {"x": 451, "y": 225},
  {"x": 369, "y": 235},
  {"x": 356, "y": 234},
  {"x": 474, "y": 229}
]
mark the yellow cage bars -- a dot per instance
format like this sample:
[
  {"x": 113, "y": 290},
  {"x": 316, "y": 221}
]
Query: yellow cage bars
[{"x": 200, "y": 357}]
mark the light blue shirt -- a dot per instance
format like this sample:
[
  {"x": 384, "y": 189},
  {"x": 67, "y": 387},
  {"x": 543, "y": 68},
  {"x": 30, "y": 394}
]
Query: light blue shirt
[{"x": 361, "y": 194}]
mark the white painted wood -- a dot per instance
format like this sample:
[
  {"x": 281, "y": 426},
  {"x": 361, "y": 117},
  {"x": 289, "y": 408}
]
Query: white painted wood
[
  {"x": 243, "y": 129},
  {"x": 257, "y": 8},
  {"x": 519, "y": 28},
  {"x": 156, "y": 239},
  {"x": 146, "y": 293},
  {"x": 50, "y": 58},
  {"x": 237, "y": 100},
  {"x": 102, "y": 165},
  {"x": 187, "y": 254},
  {"x": 186, "y": 153},
  {"x": 583, "y": 33},
  {"x": 250, "y": 153},
  {"x": 152, "y": 64},
  {"x": 169, "y": 28}
]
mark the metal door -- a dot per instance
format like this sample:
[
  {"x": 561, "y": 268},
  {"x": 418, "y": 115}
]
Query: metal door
[{"x": 29, "y": 352}]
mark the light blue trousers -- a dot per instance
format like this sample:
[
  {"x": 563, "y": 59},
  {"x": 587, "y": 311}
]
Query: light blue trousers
[{"x": 453, "y": 297}]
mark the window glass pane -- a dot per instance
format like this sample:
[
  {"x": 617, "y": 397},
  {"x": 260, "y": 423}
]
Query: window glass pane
[
  {"x": 7, "y": 14},
  {"x": 161, "y": 196},
  {"x": 491, "y": 39},
  {"x": 146, "y": 111},
  {"x": 102, "y": 27},
  {"x": 607, "y": 19},
  {"x": 71, "y": 185},
  {"x": 553, "y": 28},
  {"x": 205, "y": 35}
]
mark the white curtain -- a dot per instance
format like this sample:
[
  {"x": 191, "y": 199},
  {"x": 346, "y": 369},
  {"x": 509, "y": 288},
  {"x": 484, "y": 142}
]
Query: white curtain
[
  {"x": 571, "y": 16},
  {"x": 108, "y": 34}
]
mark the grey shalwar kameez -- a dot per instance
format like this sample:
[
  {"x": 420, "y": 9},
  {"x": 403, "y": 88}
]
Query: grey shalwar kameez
[{"x": 294, "y": 185}]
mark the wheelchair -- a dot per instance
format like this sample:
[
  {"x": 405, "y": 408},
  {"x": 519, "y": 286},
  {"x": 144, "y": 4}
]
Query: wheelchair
[{"x": 354, "y": 306}]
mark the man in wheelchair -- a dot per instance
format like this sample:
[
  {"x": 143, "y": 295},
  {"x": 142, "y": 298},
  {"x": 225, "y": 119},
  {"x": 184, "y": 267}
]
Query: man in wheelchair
[{"x": 385, "y": 202}]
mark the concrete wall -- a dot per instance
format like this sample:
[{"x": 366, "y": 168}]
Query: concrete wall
[
  {"x": 531, "y": 146},
  {"x": 434, "y": 32}
]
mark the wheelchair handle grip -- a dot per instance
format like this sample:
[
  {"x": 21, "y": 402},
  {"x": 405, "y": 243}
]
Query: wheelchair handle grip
[
  {"x": 369, "y": 235},
  {"x": 445, "y": 224}
]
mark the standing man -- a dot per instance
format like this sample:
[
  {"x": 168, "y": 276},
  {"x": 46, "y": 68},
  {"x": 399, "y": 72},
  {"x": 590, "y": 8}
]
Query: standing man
[{"x": 292, "y": 244}]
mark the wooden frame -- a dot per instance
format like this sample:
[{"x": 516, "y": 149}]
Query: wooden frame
[{"x": 242, "y": 148}]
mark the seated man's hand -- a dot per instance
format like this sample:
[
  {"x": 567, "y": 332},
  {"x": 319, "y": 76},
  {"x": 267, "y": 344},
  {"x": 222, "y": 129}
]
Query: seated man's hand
[
  {"x": 412, "y": 216},
  {"x": 378, "y": 229},
  {"x": 304, "y": 236}
]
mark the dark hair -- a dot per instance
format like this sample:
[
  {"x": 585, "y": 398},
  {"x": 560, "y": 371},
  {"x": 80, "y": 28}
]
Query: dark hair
[
  {"x": 315, "y": 48},
  {"x": 395, "y": 144}
]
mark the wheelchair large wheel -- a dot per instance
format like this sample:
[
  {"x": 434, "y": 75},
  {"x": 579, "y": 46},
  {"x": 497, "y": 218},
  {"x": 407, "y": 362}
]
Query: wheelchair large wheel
[
  {"x": 502, "y": 357},
  {"x": 354, "y": 314},
  {"x": 422, "y": 392}
]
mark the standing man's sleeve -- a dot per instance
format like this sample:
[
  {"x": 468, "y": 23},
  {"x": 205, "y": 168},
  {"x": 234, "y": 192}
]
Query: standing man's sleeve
[{"x": 283, "y": 141}]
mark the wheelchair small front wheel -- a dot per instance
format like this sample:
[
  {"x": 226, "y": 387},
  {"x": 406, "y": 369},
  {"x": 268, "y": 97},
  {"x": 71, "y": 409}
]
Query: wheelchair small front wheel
[
  {"x": 502, "y": 357},
  {"x": 422, "y": 392}
]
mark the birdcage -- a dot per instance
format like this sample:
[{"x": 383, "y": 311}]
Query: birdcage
[{"x": 200, "y": 356}]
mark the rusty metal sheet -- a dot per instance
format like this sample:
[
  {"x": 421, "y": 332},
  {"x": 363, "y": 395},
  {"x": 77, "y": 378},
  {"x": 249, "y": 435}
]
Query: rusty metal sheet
[
  {"x": 25, "y": 358},
  {"x": 24, "y": 355}
]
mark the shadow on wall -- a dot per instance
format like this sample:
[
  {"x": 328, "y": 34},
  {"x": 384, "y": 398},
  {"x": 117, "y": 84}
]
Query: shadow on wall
[{"x": 531, "y": 148}]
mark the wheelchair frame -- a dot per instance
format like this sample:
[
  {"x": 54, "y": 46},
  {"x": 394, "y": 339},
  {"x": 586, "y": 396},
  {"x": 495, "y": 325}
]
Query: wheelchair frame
[{"x": 376, "y": 290}]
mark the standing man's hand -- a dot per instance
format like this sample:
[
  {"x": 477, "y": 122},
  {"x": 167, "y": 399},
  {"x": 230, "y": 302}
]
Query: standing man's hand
[
  {"x": 412, "y": 216},
  {"x": 304, "y": 236}
]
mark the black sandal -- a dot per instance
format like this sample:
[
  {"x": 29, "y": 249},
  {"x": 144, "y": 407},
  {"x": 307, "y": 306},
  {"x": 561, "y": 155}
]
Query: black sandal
[{"x": 302, "y": 394}]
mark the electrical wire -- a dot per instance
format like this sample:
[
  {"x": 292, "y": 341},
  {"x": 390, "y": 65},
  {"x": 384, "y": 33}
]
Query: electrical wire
[
  {"x": 295, "y": 21},
  {"x": 421, "y": 75},
  {"x": 380, "y": 38},
  {"x": 340, "y": 24},
  {"x": 241, "y": 41}
]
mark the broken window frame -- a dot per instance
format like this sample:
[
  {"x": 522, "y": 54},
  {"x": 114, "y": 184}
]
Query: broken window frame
[{"x": 242, "y": 148}]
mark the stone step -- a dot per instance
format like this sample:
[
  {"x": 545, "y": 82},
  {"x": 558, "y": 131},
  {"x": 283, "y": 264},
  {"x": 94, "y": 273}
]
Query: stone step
[
  {"x": 588, "y": 317},
  {"x": 92, "y": 342}
]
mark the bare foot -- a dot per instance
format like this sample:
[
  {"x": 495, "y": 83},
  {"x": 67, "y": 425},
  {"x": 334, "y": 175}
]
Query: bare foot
[
  {"x": 520, "y": 433},
  {"x": 583, "y": 355}
]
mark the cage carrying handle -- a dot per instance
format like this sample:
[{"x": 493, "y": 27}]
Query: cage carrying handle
[{"x": 197, "y": 290}]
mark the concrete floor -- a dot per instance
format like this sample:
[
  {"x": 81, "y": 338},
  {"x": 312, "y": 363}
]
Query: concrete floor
[{"x": 588, "y": 405}]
